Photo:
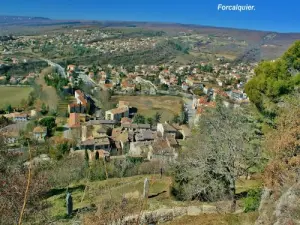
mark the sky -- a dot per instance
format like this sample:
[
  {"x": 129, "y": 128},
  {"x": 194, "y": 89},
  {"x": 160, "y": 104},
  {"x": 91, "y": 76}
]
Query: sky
[{"x": 276, "y": 15}]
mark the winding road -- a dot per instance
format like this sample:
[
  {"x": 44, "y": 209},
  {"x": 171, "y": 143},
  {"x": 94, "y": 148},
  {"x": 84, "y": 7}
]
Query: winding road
[
  {"x": 85, "y": 78},
  {"x": 59, "y": 68}
]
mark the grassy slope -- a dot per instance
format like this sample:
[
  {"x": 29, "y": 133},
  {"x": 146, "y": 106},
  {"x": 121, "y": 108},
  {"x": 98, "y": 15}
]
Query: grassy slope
[
  {"x": 49, "y": 95},
  {"x": 13, "y": 95},
  {"x": 149, "y": 105},
  {"x": 132, "y": 187}
]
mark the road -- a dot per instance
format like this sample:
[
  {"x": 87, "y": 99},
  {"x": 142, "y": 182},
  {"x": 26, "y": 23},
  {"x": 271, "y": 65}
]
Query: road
[
  {"x": 59, "y": 68},
  {"x": 86, "y": 79},
  {"x": 191, "y": 111},
  {"x": 66, "y": 133},
  {"x": 143, "y": 81}
]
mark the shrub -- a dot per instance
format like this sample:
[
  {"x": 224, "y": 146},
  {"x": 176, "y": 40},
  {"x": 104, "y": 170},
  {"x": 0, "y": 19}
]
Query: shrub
[{"x": 251, "y": 202}]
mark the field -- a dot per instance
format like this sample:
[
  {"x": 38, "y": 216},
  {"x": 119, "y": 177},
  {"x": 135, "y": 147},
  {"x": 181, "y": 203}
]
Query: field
[
  {"x": 147, "y": 106},
  {"x": 13, "y": 95}
]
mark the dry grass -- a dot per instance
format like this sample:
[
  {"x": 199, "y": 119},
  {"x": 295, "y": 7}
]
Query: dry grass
[
  {"x": 13, "y": 95},
  {"x": 227, "y": 56},
  {"x": 49, "y": 95},
  {"x": 168, "y": 106},
  {"x": 217, "y": 219}
]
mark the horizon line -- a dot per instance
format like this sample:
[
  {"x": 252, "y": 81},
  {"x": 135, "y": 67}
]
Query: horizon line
[{"x": 158, "y": 22}]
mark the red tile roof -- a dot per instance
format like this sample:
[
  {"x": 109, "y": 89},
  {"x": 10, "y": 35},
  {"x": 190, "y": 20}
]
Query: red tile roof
[
  {"x": 82, "y": 100},
  {"x": 79, "y": 92},
  {"x": 74, "y": 120}
]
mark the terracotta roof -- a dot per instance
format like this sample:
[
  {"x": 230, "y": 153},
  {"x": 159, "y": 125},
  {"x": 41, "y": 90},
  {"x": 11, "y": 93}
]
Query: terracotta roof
[
  {"x": 123, "y": 103},
  {"x": 211, "y": 104},
  {"x": 126, "y": 120},
  {"x": 79, "y": 92},
  {"x": 162, "y": 147},
  {"x": 119, "y": 110},
  {"x": 103, "y": 153},
  {"x": 82, "y": 100},
  {"x": 74, "y": 120},
  {"x": 199, "y": 111},
  {"x": 17, "y": 114},
  {"x": 39, "y": 129},
  {"x": 126, "y": 84},
  {"x": 202, "y": 100}
]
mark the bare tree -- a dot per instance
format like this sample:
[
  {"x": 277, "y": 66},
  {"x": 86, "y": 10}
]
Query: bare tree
[{"x": 222, "y": 149}]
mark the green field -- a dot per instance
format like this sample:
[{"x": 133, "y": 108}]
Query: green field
[
  {"x": 147, "y": 106},
  {"x": 13, "y": 95}
]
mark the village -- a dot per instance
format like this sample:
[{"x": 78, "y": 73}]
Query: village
[{"x": 118, "y": 131}]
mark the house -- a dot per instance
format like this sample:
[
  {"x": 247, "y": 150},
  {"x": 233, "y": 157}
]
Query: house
[
  {"x": 117, "y": 113},
  {"x": 74, "y": 120},
  {"x": 135, "y": 126},
  {"x": 10, "y": 137},
  {"x": 81, "y": 104},
  {"x": 145, "y": 135},
  {"x": 11, "y": 132},
  {"x": 184, "y": 86},
  {"x": 165, "y": 128},
  {"x": 128, "y": 85},
  {"x": 162, "y": 150},
  {"x": 237, "y": 95},
  {"x": 71, "y": 67},
  {"x": 126, "y": 120},
  {"x": 76, "y": 108},
  {"x": 39, "y": 133},
  {"x": 91, "y": 154},
  {"x": 96, "y": 143},
  {"x": 120, "y": 138},
  {"x": 108, "y": 123},
  {"x": 139, "y": 149},
  {"x": 17, "y": 117},
  {"x": 80, "y": 98},
  {"x": 93, "y": 131}
]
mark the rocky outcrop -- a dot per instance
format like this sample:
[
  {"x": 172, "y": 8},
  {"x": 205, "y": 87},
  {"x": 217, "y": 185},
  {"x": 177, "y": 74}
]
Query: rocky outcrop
[
  {"x": 164, "y": 215},
  {"x": 283, "y": 210}
]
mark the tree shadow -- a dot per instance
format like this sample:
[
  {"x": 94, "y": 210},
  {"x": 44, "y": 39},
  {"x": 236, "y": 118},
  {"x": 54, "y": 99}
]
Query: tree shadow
[
  {"x": 61, "y": 129},
  {"x": 58, "y": 191},
  {"x": 155, "y": 195}
]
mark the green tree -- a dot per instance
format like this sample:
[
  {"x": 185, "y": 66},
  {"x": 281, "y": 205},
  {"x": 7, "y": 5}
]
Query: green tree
[
  {"x": 62, "y": 149},
  {"x": 273, "y": 80},
  {"x": 9, "y": 108},
  {"x": 48, "y": 122},
  {"x": 157, "y": 117},
  {"x": 138, "y": 118},
  {"x": 150, "y": 120},
  {"x": 164, "y": 87},
  {"x": 44, "y": 109},
  {"x": 176, "y": 119}
]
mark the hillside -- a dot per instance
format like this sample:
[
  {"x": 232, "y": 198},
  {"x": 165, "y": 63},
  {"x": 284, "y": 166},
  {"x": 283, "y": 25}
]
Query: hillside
[
  {"x": 88, "y": 195},
  {"x": 267, "y": 45}
]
